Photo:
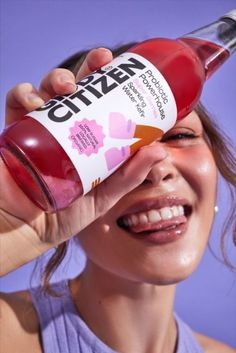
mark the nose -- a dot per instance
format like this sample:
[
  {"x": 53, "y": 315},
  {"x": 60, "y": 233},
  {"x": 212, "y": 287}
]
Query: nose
[{"x": 163, "y": 171}]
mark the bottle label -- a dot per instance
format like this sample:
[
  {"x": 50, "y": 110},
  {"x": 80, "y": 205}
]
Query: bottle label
[{"x": 116, "y": 110}]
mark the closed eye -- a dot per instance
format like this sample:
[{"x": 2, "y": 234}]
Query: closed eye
[{"x": 179, "y": 136}]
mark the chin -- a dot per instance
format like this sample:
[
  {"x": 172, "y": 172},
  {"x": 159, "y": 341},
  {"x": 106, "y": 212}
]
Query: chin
[{"x": 170, "y": 273}]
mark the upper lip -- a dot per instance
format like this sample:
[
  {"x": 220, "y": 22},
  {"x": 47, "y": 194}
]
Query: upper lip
[{"x": 156, "y": 203}]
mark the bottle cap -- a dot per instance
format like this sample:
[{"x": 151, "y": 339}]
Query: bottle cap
[{"x": 231, "y": 14}]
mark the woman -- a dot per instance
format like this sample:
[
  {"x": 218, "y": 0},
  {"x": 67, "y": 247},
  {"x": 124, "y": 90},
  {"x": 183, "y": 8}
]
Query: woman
[{"x": 144, "y": 230}]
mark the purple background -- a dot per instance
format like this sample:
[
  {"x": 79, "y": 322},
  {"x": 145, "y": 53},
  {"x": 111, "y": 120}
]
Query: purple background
[{"x": 36, "y": 35}]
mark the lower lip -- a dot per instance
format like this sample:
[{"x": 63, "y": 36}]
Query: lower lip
[{"x": 163, "y": 236}]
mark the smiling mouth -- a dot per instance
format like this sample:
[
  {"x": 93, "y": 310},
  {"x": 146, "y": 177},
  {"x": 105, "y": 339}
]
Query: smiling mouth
[{"x": 160, "y": 225}]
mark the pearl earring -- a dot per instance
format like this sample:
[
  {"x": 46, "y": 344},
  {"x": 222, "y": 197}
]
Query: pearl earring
[{"x": 216, "y": 208}]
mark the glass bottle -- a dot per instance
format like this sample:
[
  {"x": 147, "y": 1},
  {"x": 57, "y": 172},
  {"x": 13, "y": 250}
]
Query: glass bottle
[{"x": 159, "y": 72}]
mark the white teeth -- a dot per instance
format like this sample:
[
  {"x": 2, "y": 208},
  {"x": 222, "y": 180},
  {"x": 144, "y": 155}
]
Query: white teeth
[
  {"x": 166, "y": 213},
  {"x": 175, "y": 211},
  {"x": 130, "y": 223},
  {"x": 181, "y": 210},
  {"x": 134, "y": 219},
  {"x": 153, "y": 216},
  {"x": 143, "y": 219}
]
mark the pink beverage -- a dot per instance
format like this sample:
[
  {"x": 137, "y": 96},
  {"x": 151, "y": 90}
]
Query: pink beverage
[{"x": 159, "y": 77}]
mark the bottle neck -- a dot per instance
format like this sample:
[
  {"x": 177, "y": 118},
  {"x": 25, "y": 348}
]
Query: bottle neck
[
  {"x": 221, "y": 32},
  {"x": 213, "y": 43}
]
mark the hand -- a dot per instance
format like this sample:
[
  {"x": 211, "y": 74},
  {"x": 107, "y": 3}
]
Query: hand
[{"x": 19, "y": 217}]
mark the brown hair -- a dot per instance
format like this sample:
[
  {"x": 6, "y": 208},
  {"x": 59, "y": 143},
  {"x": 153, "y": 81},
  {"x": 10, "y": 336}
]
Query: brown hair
[{"x": 222, "y": 150}]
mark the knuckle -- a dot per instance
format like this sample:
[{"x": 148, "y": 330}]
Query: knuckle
[
  {"x": 144, "y": 154},
  {"x": 123, "y": 171},
  {"x": 62, "y": 72},
  {"x": 18, "y": 91}
]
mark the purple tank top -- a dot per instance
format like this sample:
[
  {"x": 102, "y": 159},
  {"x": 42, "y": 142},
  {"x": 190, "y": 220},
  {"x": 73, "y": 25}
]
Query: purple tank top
[{"x": 63, "y": 331}]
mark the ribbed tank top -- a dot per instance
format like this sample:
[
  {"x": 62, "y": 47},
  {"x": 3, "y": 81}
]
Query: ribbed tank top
[{"x": 64, "y": 331}]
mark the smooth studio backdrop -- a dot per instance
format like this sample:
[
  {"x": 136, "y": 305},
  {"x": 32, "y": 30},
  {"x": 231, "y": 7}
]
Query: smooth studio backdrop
[{"x": 37, "y": 35}]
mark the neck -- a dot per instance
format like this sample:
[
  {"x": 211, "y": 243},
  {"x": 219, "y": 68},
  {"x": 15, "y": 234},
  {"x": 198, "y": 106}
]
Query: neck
[{"x": 130, "y": 317}]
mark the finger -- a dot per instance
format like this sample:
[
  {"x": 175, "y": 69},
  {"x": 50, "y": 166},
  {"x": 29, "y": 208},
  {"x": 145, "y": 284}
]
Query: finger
[
  {"x": 95, "y": 59},
  {"x": 129, "y": 176},
  {"x": 57, "y": 82},
  {"x": 20, "y": 100}
]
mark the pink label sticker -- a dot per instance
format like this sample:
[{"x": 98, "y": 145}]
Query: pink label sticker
[
  {"x": 86, "y": 136},
  {"x": 120, "y": 127},
  {"x": 114, "y": 156}
]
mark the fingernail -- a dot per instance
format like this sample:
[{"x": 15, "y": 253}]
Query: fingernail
[
  {"x": 104, "y": 49},
  {"x": 66, "y": 80},
  {"x": 35, "y": 99}
]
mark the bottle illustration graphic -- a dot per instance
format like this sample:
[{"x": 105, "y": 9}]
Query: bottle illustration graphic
[
  {"x": 72, "y": 143},
  {"x": 120, "y": 128}
]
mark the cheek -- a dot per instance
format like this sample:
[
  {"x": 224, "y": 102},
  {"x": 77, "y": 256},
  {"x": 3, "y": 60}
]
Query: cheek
[
  {"x": 99, "y": 243},
  {"x": 200, "y": 172},
  {"x": 201, "y": 176}
]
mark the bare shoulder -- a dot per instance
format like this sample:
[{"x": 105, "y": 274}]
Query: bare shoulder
[
  {"x": 19, "y": 323},
  {"x": 211, "y": 345}
]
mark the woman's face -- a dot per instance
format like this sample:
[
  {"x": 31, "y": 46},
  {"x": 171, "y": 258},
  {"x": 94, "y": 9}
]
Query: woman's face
[{"x": 158, "y": 232}]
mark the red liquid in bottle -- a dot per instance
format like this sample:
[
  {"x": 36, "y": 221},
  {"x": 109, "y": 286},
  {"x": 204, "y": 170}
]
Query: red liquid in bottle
[
  {"x": 39, "y": 164},
  {"x": 211, "y": 55},
  {"x": 48, "y": 178}
]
